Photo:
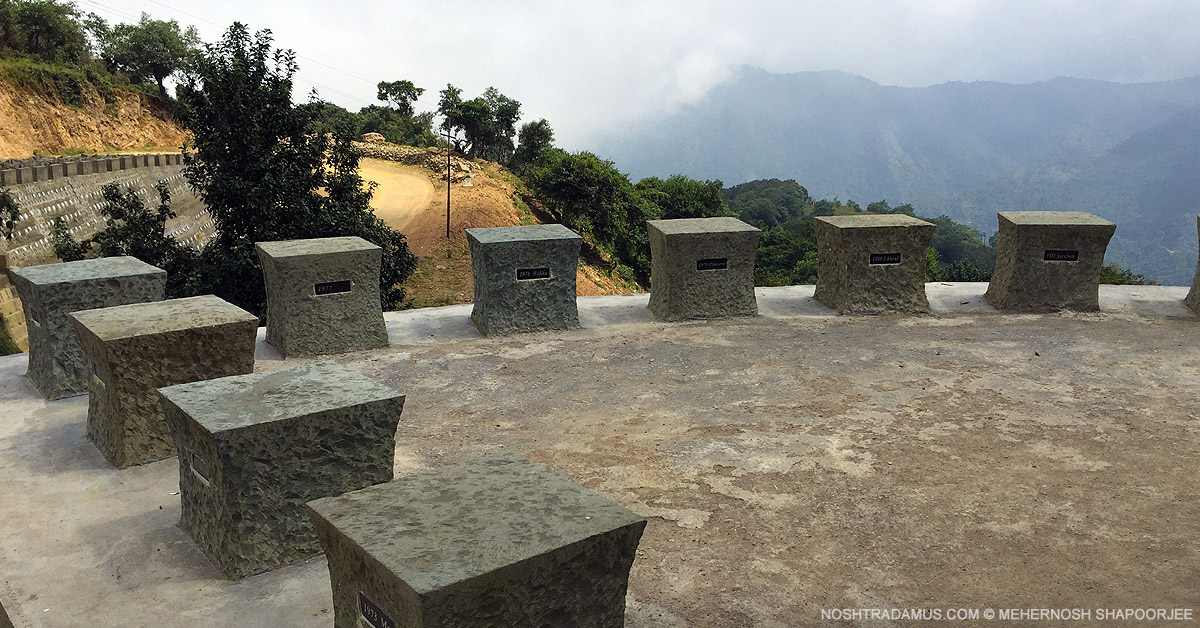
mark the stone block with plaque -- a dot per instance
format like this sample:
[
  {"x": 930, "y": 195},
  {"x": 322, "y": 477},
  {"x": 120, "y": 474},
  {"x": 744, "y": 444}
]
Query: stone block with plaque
[
  {"x": 1048, "y": 261},
  {"x": 50, "y": 292},
  {"x": 494, "y": 541},
  {"x": 702, "y": 268},
  {"x": 1193, "y": 295},
  {"x": 132, "y": 350},
  {"x": 524, "y": 278},
  {"x": 872, "y": 263},
  {"x": 323, "y": 296},
  {"x": 253, "y": 449}
]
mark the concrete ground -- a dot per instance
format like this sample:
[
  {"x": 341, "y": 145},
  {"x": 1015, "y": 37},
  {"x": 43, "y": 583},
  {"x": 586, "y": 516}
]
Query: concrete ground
[{"x": 787, "y": 463}]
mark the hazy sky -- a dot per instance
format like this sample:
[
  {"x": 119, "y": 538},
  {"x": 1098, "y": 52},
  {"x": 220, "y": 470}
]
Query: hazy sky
[{"x": 588, "y": 67}]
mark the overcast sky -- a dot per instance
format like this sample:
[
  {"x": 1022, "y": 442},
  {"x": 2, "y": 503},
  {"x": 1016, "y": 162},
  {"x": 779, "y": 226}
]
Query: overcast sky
[{"x": 589, "y": 67}]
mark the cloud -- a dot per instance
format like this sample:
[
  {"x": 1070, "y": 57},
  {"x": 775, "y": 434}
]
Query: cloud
[{"x": 592, "y": 67}]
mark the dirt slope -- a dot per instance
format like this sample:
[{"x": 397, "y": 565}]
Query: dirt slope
[
  {"x": 412, "y": 199},
  {"x": 35, "y": 118}
]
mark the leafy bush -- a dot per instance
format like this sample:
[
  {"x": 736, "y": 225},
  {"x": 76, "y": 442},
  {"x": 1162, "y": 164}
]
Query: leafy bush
[{"x": 265, "y": 176}]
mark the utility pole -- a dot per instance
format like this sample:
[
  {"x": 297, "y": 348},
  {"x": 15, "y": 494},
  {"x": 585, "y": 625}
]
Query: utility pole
[{"x": 447, "y": 134}]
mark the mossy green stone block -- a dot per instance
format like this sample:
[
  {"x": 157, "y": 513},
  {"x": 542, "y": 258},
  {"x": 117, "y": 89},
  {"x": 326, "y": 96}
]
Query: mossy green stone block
[
  {"x": 133, "y": 350},
  {"x": 524, "y": 278},
  {"x": 1193, "y": 295},
  {"x": 872, "y": 264},
  {"x": 495, "y": 541},
  {"x": 255, "y": 448},
  {"x": 1049, "y": 261},
  {"x": 50, "y": 292},
  {"x": 323, "y": 296},
  {"x": 702, "y": 268}
]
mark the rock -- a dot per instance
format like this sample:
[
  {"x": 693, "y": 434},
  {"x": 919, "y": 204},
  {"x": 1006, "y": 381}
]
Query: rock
[
  {"x": 133, "y": 350},
  {"x": 372, "y": 138},
  {"x": 255, "y": 448},
  {"x": 524, "y": 278},
  {"x": 702, "y": 268},
  {"x": 323, "y": 295},
  {"x": 50, "y": 292},
  {"x": 872, "y": 264},
  {"x": 1048, "y": 261},
  {"x": 494, "y": 541}
]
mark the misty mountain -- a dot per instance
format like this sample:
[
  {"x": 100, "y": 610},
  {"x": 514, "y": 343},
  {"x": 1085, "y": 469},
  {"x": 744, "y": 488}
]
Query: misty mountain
[
  {"x": 963, "y": 149},
  {"x": 1148, "y": 184}
]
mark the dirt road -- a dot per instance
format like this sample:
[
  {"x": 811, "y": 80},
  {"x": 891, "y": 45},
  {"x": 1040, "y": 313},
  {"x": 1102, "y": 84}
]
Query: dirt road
[{"x": 403, "y": 191}]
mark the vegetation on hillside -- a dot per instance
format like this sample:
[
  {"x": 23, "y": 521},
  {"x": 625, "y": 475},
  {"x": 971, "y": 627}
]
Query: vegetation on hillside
[
  {"x": 46, "y": 42},
  {"x": 262, "y": 174}
]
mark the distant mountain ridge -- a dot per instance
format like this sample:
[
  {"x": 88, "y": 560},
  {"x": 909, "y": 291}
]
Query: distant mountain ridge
[{"x": 963, "y": 149}]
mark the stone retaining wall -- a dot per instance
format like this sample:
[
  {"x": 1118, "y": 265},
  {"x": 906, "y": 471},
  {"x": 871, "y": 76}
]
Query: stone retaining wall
[{"x": 43, "y": 194}]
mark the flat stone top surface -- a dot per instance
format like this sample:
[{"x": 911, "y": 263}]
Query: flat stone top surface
[
  {"x": 315, "y": 246},
  {"x": 103, "y": 267},
  {"x": 490, "y": 235},
  {"x": 156, "y": 317},
  {"x": 229, "y": 403},
  {"x": 874, "y": 220},
  {"x": 701, "y": 225},
  {"x": 465, "y": 520},
  {"x": 1053, "y": 218}
]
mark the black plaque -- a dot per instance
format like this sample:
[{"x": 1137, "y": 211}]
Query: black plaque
[
  {"x": 200, "y": 466},
  {"x": 373, "y": 614},
  {"x": 885, "y": 259},
  {"x": 96, "y": 372},
  {"x": 1054, "y": 255},
  {"x": 524, "y": 274},
  {"x": 713, "y": 263},
  {"x": 331, "y": 287}
]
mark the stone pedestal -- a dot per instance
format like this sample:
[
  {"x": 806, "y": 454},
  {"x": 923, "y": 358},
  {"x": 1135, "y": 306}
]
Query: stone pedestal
[
  {"x": 1193, "y": 296},
  {"x": 253, "y": 449},
  {"x": 872, "y": 264},
  {"x": 323, "y": 296},
  {"x": 132, "y": 350},
  {"x": 49, "y": 293},
  {"x": 1048, "y": 261},
  {"x": 496, "y": 541},
  {"x": 524, "y": 278},
  {"x": 702, "y": 268}
]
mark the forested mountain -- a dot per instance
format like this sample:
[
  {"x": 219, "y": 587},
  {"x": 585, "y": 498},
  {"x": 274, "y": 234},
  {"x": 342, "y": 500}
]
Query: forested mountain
[{"x": 967, "y": 150}]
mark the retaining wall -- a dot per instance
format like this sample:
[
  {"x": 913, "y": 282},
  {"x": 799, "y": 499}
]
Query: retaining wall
[{"x": 71, "y": 189}]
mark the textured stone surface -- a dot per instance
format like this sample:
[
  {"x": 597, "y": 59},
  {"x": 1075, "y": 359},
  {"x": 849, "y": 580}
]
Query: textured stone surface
[
  {"x": 1024, "y": 280},
  {"x": 872, "y": 264},
  {"x": 301, "y": 322},
  {"x": 1193, "y": 296},
  {"x": 495, "y": 541},
  {"x": 680, "y": 290},
  {"x": 507, "y": 303},
  {"x": 132, "y": 350},
  {"x": 269, "y": 443},
  {"x": 50, "y": 292}
]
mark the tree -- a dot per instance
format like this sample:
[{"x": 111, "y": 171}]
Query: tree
[
  {"x": 150, "y": 49},
  {"x": 590, "y": 195},
  {"x": 10, "y": 212},
  {"x": 533, "y": 138},
  {"x": 131, "y": 229},
  {"x": 43, "y": 28},
  {"x": 264, "y": 176},
  {"x": 487, "y": 123},
  {"x": 683, "y": 197},
  {"x": 400, "y": 94}
]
